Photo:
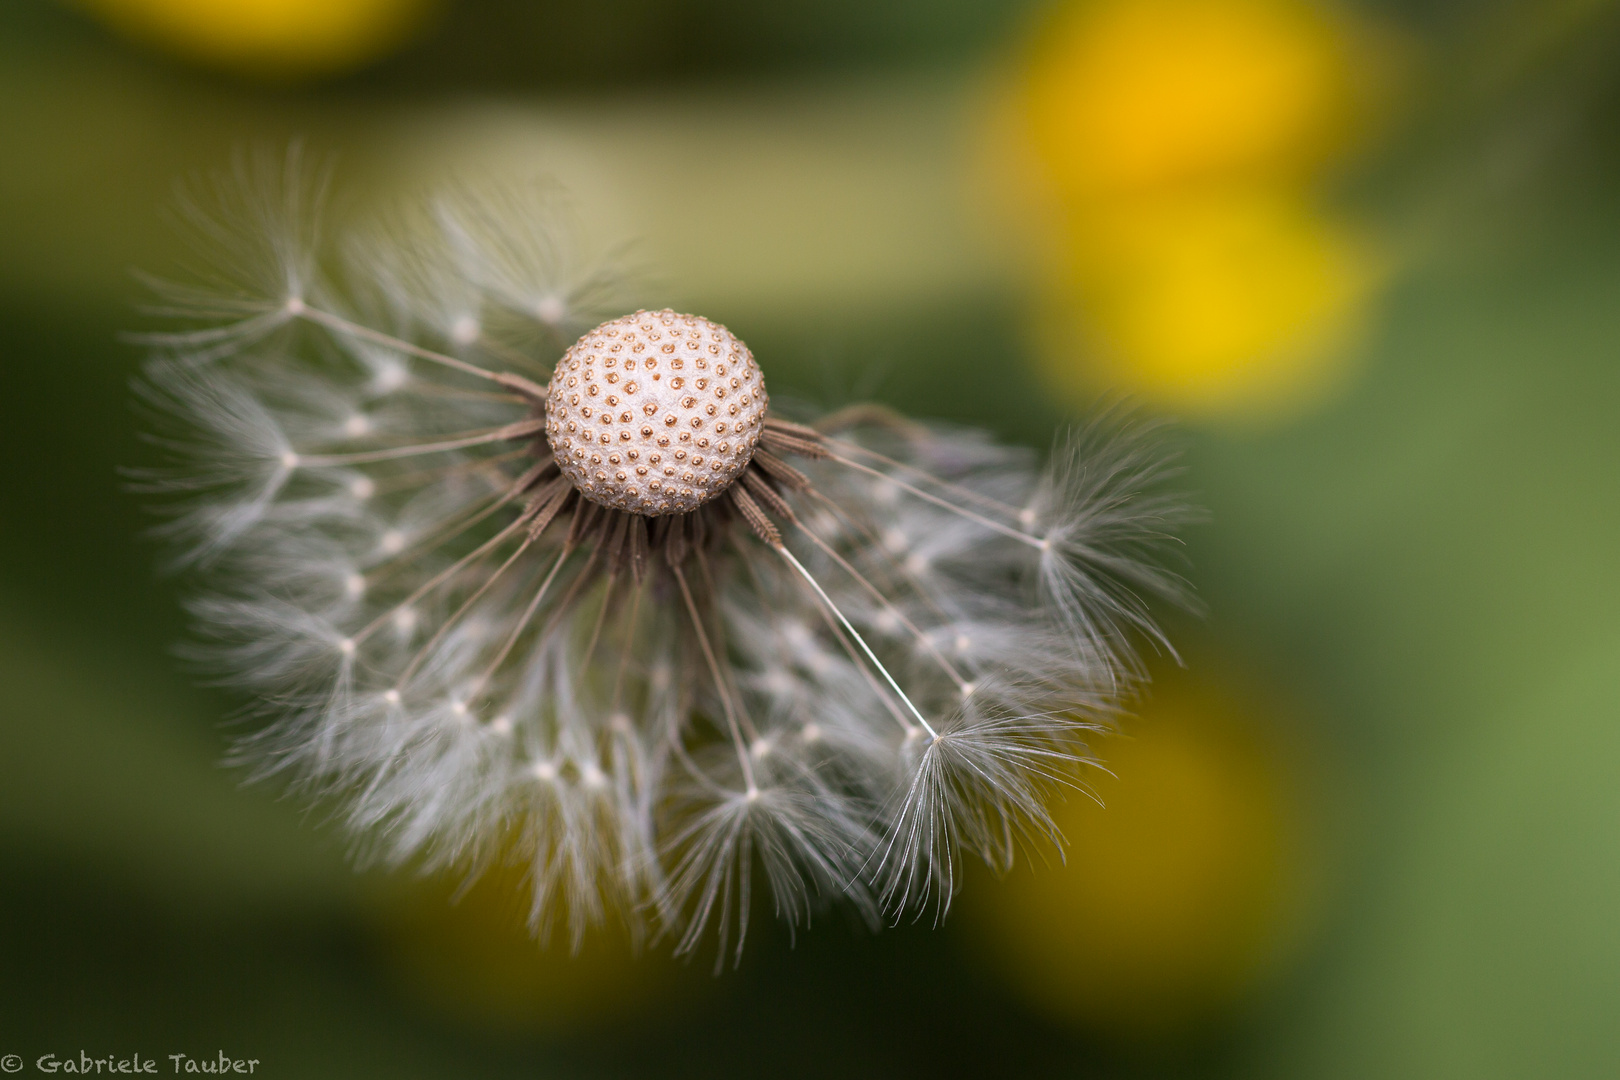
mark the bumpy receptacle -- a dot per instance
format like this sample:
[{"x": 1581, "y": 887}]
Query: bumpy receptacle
[{"x": 655, "y": 413}]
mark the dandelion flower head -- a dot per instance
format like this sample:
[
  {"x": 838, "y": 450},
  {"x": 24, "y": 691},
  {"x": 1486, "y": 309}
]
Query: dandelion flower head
[{"x": 503, "y": 587}]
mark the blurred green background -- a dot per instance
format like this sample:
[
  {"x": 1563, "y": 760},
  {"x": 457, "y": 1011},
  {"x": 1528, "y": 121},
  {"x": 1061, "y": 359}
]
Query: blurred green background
[{"x": 1369, "y": 255}]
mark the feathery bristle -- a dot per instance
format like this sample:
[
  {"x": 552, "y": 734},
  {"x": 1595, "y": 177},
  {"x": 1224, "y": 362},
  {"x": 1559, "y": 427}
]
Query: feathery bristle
[{"x": 842, "y": 653}]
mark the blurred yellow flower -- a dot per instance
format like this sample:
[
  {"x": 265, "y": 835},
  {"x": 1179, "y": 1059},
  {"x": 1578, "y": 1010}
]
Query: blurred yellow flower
[
  {"x": 1175, "y": 896},
  {"x": 270, "y": 38},
  {"x": 468, "y": 955},
  {"x": 1232, "y": 301},
  {"x": 1165, "y": 153},
  {"x": 1125, "y": 95}
]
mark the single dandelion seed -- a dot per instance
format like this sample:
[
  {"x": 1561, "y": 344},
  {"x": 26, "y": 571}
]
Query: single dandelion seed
[{"x": 709, "y": 641}]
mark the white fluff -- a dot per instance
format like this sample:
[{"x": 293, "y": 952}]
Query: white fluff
[{"x": 346, "y": 493}]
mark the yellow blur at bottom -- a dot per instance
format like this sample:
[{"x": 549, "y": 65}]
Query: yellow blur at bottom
[
  {"x": 1231, "y": 302},
  {"x": 1176, "y": 898},
  {"x": 266, "y": 37},
  {"x": 470, "y": 958}
]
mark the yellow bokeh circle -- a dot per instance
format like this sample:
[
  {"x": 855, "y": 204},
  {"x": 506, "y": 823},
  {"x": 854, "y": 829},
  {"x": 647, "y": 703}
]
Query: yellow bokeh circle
[
  {"x": 1132, "y": 94},
  {"x": 1223, "y": 301},
  {"x": 1177, "y": 895},
  {"x": 271, "y": 38},
  {"x": 468, "y": 955},
  {"x": 1164, "y": 161}
]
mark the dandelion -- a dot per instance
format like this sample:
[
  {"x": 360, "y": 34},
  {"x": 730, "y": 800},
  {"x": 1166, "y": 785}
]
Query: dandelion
[{"x": 608, "y": 613}]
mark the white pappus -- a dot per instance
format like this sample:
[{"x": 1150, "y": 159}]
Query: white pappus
[{"x": 503, "y": 587}]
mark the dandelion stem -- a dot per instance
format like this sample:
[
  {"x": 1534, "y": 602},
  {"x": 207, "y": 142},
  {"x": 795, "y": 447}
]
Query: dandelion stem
[
  {"x": 520, "y": 430},
  {"x": 441, "y": 577},
  {"x": 719, "y": 633},
  {"x": 922, "y": 639},
  {"x": 720, "y": 684},
  {"x": 416, "y": 478},
  {"x": 906, "y": 574},
  {"x": 878, "y": 689},
  {"x": 522, "y": 623},
  {"x": 503, "y": 351},
  {"x": 1035, "y": 542},
  {"x": 344, "y": 326},
  {"x": 968, "y": 494},
  {"x": 454, "y": 528},
  {"x": 867, "y": 649},
  {"x": 444, "y": 628},
  {"x": 629, "y": 643},
  {"x": 601, "y": 617}
]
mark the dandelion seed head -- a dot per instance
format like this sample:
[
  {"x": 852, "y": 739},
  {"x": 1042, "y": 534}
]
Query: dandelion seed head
[{"x": 710, "y": 641}]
